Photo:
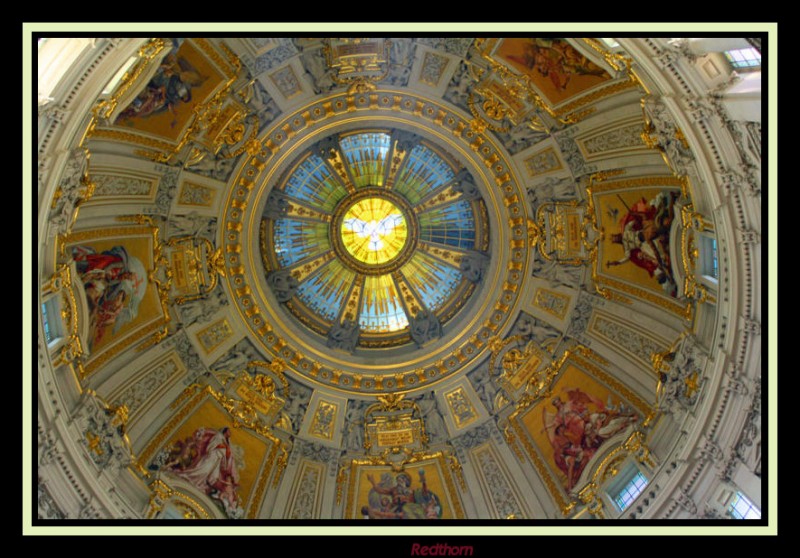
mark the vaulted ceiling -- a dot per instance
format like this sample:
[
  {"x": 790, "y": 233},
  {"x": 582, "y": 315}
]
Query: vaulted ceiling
[{"x": 410, "y": 278}]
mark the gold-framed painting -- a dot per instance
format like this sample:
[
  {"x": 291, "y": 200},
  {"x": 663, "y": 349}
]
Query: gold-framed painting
[
  {"x": 423, "y": 490},
  {"x": 168, "y": 93},
  {"x": 555, "y": 67},
  {"x": 634, "y": 255},
  {"x": 559, "y": 71},
  {"x": 204, "y": 445},
  {"x": 125, "y": 306},
  {"x": 584, "y": 410}
]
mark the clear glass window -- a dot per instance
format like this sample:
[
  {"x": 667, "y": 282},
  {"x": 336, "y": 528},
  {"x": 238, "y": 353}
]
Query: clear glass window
[
  {"x": 631, "y": 490},
  {"x": 744, "y": 58},
  {"x": 742, "y": 508},
  {"x": 708, "y": 263},
  {"x": 48, "y": 334},
  {"x": 51, "y": 320}
]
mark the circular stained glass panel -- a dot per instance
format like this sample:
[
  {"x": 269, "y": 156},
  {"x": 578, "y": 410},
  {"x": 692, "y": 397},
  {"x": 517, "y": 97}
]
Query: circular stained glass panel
[{"x": 374, "y": 231}]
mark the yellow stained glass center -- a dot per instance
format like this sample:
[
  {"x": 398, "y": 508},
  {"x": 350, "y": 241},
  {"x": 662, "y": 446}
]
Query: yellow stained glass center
[{"x": 374, "y": 230}]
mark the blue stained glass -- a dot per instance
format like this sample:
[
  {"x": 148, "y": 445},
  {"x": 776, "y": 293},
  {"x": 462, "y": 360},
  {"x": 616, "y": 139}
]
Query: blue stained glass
[
  {"x": 422, "y": 173},
  {"x": 296, "y": 240},
  {"x": 366, "y": 156},
  {"x": 431, "y": 279},
  {"x": 452, "y": 225},
  {"x": 313, "y": 183},
  {"x": 326, "y": 291}
]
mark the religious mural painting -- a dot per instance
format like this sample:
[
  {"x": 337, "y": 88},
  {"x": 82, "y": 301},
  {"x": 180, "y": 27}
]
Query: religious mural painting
[
  {"x": 635, "y": 248},
  {"x": 221, "y": 459},
  {"x": 575, "y": 422},
  {"x": 422, "y": 491},
  {"x": 184, "y": 79},
  {"x": 556, "y": 68},
  {"x": 113, "y": 267}
]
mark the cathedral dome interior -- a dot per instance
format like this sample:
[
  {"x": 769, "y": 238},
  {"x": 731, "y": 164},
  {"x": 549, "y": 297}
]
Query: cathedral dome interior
[{"x": 411, "y": 278}]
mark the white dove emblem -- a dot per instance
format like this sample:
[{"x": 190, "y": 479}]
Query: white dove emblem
[{"x": 374, "y": 230}]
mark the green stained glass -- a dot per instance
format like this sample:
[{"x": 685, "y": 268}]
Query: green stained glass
[{"x": 423, "y": 173}]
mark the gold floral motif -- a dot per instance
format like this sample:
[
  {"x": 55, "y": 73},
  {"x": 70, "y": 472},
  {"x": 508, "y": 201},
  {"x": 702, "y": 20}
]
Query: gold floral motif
[
  {"x": 461, "y": 407},
  {"x": 322, "y": 425},
  {"x": 277, "y": 367},
  {"x": 493, "y": 109},
  {"x": 393, "y": 402},
  {"x": 556, "y": 219},
  {"x": 589, "y": 496},
  {"x": 691, "y": 222}
]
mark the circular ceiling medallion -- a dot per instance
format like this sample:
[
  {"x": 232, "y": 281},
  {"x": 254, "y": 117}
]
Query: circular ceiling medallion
[
  {"x": 376, "y": 242},
  {"x": 367, "y": 239},
  {"x": 374, "y": 231}
]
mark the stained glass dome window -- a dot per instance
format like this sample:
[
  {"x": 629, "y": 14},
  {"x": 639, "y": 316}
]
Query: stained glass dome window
[
  {"x": 368, "y": 233},
  {"x": 374, "y": 230}
]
